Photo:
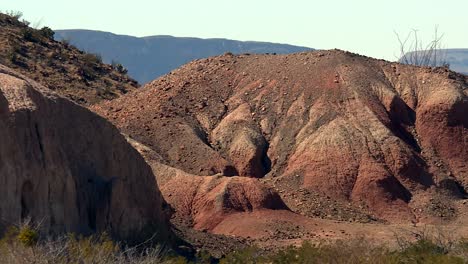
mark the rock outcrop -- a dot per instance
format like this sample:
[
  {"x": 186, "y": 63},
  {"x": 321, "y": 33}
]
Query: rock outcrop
[
  {"x": 70, "y": 170},
  {"x": 359, "y": 131},
  {"x": 205, "y": 202}
]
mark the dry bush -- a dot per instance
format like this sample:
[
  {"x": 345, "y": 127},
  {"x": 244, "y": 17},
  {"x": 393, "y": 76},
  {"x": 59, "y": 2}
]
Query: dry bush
[
  {"x": 24, "y": 244},
  {"x": 427, "y": 245},
  {"x": 415, "y": 52},
  {"x": 14, "y": 14},
  {"x": 425, "y": 249},
  {"x": 118, "y": 67},
  {"x": 91, "y": 67}
]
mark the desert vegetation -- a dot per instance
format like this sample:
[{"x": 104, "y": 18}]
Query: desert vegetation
[
  {"x": 32, "y": 51},
  {"x": 24, "y": 244},
  {"x": 119, "y": 67},
  {"x": 357, "y": 251}
]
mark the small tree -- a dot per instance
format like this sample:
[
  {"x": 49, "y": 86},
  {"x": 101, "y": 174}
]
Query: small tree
[{"x": 415, "y": 52}]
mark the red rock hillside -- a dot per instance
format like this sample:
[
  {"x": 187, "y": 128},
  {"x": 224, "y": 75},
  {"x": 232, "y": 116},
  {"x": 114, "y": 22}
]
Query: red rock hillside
[{"x": 328, "y": 128}]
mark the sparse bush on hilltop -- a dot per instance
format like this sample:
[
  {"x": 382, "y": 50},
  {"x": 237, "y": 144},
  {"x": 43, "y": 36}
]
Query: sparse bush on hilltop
[
  {"x": 66, "y": 41},
  {"x": 47, "y": 33},
  {"x": 31, "y": 35},
  {"x": 414, "y": 51},
  {"x": 90, "y": 68},
  {"x": 14, "y": 14},
  {"x": 119, "y": 67},
  {"x": 92, "y": 59}
]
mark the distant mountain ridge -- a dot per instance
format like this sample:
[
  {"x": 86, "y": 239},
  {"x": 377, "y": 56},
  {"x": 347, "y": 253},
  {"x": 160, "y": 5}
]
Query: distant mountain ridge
[
  {"x": 458, "y": 60},
  {"x": 147, "y": 58}
]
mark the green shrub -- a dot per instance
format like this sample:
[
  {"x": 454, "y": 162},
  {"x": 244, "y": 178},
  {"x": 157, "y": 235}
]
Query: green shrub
[
  {"x": 31, "y": 35},
  {"x": 92, "y": 59},
  {"x": 204, "y": 257},
  {"x": 47, "y": 32},
  {"x": 426, "y": 251},
  {"x": 20, "y": 49},
  {"x": 88, "y": 72},
  {"x": 90, "y": 249},
  {"x": 10, "y": 235},
  {"x": 18, "y": 60},
  {"x": 25, "y": 245},
  {"x": 27, "y": 236},
  {"x": 175, "y": 260},
  {"x": 351, "y": 251},
  {"x": 91, "y": 66},
  {"x": 250, "y": 255}
]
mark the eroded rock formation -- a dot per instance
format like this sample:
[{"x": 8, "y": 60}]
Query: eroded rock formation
[
  {"x": 330, "y": 123},
  {"x": 70, "y": 170}
]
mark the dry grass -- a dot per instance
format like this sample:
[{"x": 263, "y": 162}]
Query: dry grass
[
  {"x": 429, "y": 247},
  {"x": 24, "y": 244}
]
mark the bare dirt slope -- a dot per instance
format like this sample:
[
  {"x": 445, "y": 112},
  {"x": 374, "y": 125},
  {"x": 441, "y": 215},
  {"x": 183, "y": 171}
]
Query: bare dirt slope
[
  {"x": 69, "y": 170},
  {"x": 336, "y": 135},
  {"x": 77, "y": 75}
]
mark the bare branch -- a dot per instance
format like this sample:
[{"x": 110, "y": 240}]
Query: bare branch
[{"x": 414, "y": 51}]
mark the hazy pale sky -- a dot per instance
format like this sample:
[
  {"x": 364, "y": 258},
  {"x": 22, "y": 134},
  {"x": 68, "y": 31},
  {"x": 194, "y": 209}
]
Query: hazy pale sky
[{"x": 363, "y": 26}]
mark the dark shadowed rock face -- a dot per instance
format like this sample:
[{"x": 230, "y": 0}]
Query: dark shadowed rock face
[{"x": 70, "y": 170}]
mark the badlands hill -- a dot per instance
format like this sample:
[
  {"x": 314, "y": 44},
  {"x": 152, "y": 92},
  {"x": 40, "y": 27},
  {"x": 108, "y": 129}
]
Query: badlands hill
[
  {"x": 69, "y": 170},
  {"x": 239, "y": 143},
  {"x": 79, "y": 76},
  {"x": 150, "y": 57}
]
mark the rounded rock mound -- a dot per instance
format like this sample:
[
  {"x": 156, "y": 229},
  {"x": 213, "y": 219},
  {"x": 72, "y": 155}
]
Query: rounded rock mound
[{"x": 360, "y": 131}]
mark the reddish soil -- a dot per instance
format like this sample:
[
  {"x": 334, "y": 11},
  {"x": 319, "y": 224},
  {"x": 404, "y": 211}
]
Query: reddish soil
[{"x": 335, "y": 135}]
